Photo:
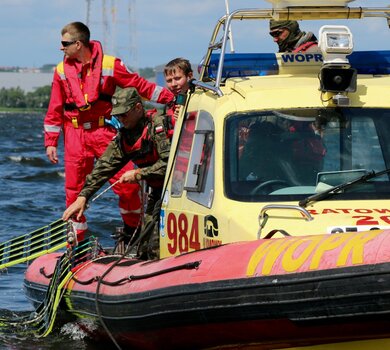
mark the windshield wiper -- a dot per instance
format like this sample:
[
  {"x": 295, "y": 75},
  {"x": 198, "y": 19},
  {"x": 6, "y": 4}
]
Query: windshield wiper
[{"x": 336, "y": 189}]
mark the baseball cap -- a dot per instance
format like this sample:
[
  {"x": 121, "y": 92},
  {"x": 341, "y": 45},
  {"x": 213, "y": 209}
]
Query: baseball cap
[{"x": 124, "y": 99}]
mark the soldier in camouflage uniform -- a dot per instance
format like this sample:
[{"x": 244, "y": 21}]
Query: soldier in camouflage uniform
[
  {"x": 290, "y": 38},
  {"x": 143, "y": 140}
]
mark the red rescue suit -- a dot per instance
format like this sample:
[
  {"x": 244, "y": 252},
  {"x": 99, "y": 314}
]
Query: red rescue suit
[{"x": 80, "y": 102}]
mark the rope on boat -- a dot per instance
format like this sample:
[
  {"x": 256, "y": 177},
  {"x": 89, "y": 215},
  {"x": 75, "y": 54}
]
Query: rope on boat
[
  {"x": 40, "y": 323},
  {"x": 100, "y": 280},
  {"x": 46, "y": 239},
  {"x": 97, "y": 294},
  {"x": 187, "y": 266}
]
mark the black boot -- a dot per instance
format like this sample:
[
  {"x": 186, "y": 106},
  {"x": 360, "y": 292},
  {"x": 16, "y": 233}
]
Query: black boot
[{"x": 128, "y": 233}]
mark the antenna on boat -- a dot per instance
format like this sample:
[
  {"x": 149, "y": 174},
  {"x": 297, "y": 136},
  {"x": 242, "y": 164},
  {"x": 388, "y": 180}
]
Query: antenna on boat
[{"x": 230, "y": 30}]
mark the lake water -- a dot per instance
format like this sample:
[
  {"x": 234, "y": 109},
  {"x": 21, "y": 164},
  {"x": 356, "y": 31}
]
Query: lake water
[{"x": 31, "y": 196}]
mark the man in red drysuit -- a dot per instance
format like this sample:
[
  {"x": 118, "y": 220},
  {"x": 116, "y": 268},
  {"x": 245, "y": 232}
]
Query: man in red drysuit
[{"x": 80, "y": 106}]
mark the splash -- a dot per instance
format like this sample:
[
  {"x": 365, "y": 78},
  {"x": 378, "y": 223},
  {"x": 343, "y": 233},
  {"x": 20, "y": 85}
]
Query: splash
[{"x": 79, "y": 330}]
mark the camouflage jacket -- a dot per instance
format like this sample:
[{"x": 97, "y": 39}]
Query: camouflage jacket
[{"x": 147, "y": 146}]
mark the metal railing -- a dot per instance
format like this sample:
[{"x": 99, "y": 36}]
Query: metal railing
[
  {"x": 290, "y": 13},
  {"x": 263, "y": 216}
]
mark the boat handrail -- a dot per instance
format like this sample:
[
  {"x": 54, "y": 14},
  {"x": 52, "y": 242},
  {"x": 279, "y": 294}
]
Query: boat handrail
[
  {"x": 263, "y": 216},
  {"x": 206, "y": 86},
  {"x": 290, "y": 13}
]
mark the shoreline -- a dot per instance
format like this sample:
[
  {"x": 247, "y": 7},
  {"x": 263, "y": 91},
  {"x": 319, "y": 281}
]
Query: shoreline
[{"x": 22, "y": 110}]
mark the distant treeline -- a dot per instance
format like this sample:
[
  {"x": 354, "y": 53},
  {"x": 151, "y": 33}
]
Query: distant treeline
[
  {"x": 46, "y": 68},
  {"x": 40, "y": 97},
  {"x": 17, "y": 98}
]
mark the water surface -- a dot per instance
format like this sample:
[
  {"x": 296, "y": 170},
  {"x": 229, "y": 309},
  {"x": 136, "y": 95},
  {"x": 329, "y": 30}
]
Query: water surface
[{"x": 31, "y": 196}]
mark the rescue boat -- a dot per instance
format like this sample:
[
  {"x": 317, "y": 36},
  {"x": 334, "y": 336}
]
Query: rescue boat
[{"x": 274, "y": 226}]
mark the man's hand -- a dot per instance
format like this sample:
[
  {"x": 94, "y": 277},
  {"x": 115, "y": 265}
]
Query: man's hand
[
  {"x": 129, "y": 176},
  {"x": 51, "y": 152},
  {"x": 176, "y": 112},
  {"x": 78, "y": 206}
]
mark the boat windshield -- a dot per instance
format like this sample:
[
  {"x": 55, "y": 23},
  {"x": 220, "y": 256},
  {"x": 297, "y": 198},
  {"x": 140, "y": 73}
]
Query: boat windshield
[{"x": 289, "y": 154}]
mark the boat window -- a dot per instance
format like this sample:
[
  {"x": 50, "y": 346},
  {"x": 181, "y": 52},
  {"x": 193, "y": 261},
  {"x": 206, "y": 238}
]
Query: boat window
[
  {"x": 183, "y": 154},
  {"x": 289, "y": 154},
  {"x": 200, "y": 176}
]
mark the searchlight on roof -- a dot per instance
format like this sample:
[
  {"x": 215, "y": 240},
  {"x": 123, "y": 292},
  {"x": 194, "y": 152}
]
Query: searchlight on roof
[{"x": 336, "y": 43}]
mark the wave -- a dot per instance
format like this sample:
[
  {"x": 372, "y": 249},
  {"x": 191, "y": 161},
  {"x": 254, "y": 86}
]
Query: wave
[
  {"x": 33, "y": 161},
  {"x": 41, "y": 176}
]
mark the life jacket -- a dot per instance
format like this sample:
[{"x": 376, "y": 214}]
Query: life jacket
[
  {"x": 169, "y": 119},
  {"x": 101, "y": 66},
  {"x": 307, "y": 40},
  {"x": 142, "y": 152},
  {"x": 305, "y": 46}
]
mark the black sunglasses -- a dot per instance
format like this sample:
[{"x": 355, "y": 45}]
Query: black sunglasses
[
  {"x": 67, "y": 43},
  {"x": 124, "y": 115},
  {"x": 276, "y": 33}
]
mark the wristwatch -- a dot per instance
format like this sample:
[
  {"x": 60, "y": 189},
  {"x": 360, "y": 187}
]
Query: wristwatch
[{"x": 138, "y": 176}]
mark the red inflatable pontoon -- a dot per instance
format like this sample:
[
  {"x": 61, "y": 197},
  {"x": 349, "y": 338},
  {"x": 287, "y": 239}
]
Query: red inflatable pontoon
[{"x": 272, "y": 292}]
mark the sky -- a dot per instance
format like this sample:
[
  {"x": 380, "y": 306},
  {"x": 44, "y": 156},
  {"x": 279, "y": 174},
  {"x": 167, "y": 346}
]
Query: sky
[{"x": 159, "y": 31}]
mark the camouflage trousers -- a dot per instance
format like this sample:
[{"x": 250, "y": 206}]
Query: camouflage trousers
[{"x": 149, "y": 247}]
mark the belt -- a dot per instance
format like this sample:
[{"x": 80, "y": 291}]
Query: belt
[
  {"x": 89, "y": 125},
  {"x": 72, "y": 106},
  {"x": 95, "y": 124}
]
